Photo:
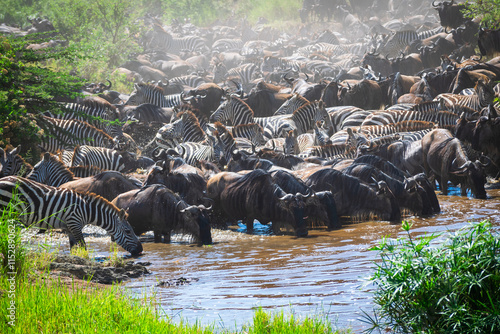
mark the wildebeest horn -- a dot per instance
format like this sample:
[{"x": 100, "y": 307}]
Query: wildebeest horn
[
  {"x": 433, "y": 5},
  {"x": 487, "y": 160},
  {"x": 202, "y": 207}
]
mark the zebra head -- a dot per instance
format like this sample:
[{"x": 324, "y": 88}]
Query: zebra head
[
  {"x": 122, "y": 233},
  {"x": 322, "y": 115},
  {"x": 8, "y": 165},
  {"x": 50, "y": 171},
  {"x": 223, "y": 112}
]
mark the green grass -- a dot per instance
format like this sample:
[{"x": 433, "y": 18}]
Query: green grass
[
  {"x": 48, "y": 305},
  {"x": 33, "y": 301},
  {"x": 449, "y": 286}
]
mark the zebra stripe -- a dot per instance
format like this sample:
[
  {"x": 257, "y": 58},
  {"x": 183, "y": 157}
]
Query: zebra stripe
[
  {"x": 251, "y": 131},
  {"x": 164, "y": 41},
  {"x": 186, "y": 129},
  {"x": 153, "y": 94},
  {"x": 51, "y": 171},
  {"x": 290, "y": 105},
  {"x": 100, "y": 157},
  {"x": 50, "y": 207},
  {"x": 339, "y": 114},
  {"x": 482, "y": 98},
  {"x": 65, "y": 134},
  {"x": 244, "y": 73},
  {"x": 100, "y": 114},
  {"x": 398, "y": 41}
]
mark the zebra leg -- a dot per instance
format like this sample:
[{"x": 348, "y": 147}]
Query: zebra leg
[{"x": 74, "y": 231}]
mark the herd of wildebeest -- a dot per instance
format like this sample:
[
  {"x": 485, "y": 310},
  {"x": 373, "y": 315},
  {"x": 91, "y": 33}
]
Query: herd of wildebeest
[{"x": 357, "y": 119}]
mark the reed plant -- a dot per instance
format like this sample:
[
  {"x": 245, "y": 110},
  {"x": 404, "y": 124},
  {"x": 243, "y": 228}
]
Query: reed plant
[{"x": 437, "y": 283}]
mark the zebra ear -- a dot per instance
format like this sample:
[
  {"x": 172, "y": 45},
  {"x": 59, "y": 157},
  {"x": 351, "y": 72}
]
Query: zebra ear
[
  {"x": 122, "y": 214},
  {"x": 16, "y": 150},
  {"x": 46, "y": 156}
]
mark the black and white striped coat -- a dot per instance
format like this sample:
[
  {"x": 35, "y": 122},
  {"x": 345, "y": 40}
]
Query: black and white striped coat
[{"x": 51, "y": 207}]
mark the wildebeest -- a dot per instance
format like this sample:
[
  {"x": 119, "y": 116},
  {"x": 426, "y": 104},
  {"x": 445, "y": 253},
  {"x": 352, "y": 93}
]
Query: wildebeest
[
  {"x": 191, "y": 186},
  {"x": 489, "y": 42},
  {"x": 255, "y": 196},
  {"x": 353, "y": 197},
  {"x": 107, "y": 184},
  {"x": 407, "y": 198},
  {"x": 445, "y": 157},
  {"x": 157, "y": 208},
  {"x": 321, "y": 206},
  {"x": 450, "y": 14}
]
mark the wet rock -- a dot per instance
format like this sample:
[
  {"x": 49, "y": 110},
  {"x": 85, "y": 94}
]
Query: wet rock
[
  {"x": 177, "y": 282},
  {"x": 77, "y": 267}
]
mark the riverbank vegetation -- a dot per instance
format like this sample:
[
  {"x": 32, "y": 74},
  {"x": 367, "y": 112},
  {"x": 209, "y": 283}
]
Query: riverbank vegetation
[{"x": 432, "y": 284}]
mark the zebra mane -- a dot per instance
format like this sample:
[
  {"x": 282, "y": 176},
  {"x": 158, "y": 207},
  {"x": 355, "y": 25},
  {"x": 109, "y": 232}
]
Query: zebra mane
[
  {"x": 243, "y": 103},
  {"x": 257, "y": 126},
  {"x": 151, "y": 86},
  {"x": 93, "y": 197},
  {"x": 221, "y": 129},
  {"x": 54, "y": 159}
]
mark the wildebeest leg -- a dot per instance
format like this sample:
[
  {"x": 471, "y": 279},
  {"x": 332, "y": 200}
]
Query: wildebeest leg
[
  {"x": 443, "y": 184},
  {"x": 463, "y": 189},
  {"x": 249, "y": 223},
  {"x": 166, "y": 238}
]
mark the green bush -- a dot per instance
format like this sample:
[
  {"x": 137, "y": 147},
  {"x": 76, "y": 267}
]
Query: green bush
[
  {"x": 439, "y": 287},
  {"x": 487, "y": 10}
]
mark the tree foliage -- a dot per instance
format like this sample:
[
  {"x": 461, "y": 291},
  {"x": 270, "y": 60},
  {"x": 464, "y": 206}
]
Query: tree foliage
[
  {"x": 487, "y": 10},
  {"x": 28, "y": 87}
]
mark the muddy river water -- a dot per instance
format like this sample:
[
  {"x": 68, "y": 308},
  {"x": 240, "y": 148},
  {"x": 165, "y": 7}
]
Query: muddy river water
[{"x": 324, "y": 273}]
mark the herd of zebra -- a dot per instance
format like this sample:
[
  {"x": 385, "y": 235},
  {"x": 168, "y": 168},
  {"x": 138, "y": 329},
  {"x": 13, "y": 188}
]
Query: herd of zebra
[{"x": 300, "y": 131}]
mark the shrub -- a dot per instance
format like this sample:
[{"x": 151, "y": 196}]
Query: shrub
[{"x": 448, "y": 287}]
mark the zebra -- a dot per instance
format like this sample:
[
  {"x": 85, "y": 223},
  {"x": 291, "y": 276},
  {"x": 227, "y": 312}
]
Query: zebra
[
  {"x": 192, "y": 152},
  {"x": 302, "y": 119},
  {"x": 290, "y": 105},
  {"x": 11, "y": 163},
  {"x": 398, "y": 41},
  {"x": 64, "y": 134},
  {"x": 252, "y": 131},
  {"x": 227, "y": 44},
  {"x": 483, "y": 97},
  {"x": 100, "y": 157},
  {"x": 51, "y": 207},
  {"x": 51, "y": 171},
  {"x": 244, "y": 74},
  {"x": 229, "y": 144},
  {"x": 238, "y": 112},
  {"x": 164, "y": 41},
  {"x": 188, "y": 80},
  {"x": 273, "y": 63},
  {"x": 329, "y": 151},
  {"x": 99, "y": 113},
  {"x": 149, "y": 93},
  {"x": 372, "y": 131},
  {"x": 85, "y": 171},
  {"x": 355, "y": 119},
  {"x": 186, "y": 129},
  {"x": 428, "y": 33},
  {"x": 339, "y": 114}
]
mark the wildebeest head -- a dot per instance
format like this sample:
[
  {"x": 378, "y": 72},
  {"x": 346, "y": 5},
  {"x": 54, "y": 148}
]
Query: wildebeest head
[
  {"x": 196, "y": 221},
  {"x": 474, "y": 177},
  {"x": 450, "y": 14},
  {"x": 295, "y": 204}
]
